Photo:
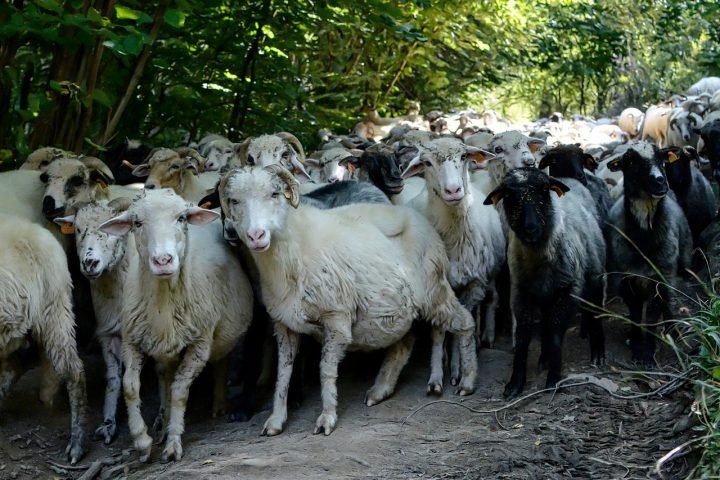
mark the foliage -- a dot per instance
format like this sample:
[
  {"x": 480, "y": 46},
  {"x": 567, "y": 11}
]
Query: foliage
[{"x": 82, "y": 73}]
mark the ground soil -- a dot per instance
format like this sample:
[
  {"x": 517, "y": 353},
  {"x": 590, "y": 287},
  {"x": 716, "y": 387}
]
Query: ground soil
[{"x": 580, "y": 432}]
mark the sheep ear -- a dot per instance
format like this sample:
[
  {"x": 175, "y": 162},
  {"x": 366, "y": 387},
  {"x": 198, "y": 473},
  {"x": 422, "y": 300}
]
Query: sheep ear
[
  {"x": 119, "y": 225},
  {"x": 558, "y": 187},
  {"x": 534, "y": 144},
  {"x": 673, "y": 154},
  {"x": 67, "y": 224},
  {"x": 589, "y": 162},
  {"x": 351, "y": 163},
  {"x": 298, "y": 168},
  {"x": 495, "y": 196},
  {"x": 200, "y": 216},
  {"x": 477, "y": 157},
  {"x": 142, "y": 170},
  {"x": 546, "y": 162},
  {"x": 615, "y": 165},
  {"x": 210, "y": 201},
  {"x": 415, "y": 167}
]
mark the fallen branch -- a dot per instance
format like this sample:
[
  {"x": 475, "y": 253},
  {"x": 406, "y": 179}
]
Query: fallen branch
[{"x": 93, "y": 471}]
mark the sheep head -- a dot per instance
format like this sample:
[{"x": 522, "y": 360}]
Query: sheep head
[
  {"x": 257, "y": 201},
  {"x": 72, "y": 180},
  {"x": 279, "y": 149}
]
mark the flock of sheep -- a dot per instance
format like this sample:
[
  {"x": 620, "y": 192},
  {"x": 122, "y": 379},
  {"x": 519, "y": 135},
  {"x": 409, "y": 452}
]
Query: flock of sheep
[{"x": 433, "y": 208}]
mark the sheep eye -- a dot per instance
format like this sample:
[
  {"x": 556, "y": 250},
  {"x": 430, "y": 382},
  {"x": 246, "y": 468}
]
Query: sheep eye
[
  {"x": 251, "y": 160},
  {"x": 499, "y": 149},
  {"x": 234, "y": 201},
  {"x": 76, "y": 181},
  {"x": 174, "y": 167},
  {"x": 275, "y": 194},
  {"x": 44, "y": 163},
  {"x": 182, "y": 218},
  {"x": 285, "y": 154},
  {"x": 138, "y": 224}
]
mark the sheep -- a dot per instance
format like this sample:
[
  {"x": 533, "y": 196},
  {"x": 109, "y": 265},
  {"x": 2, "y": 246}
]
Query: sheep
[
  {"x": 569, "y": 161},
  {"x": 472, "y": 233},
  {"x": 103, "y": 260},
  {"x": 325, "y": 166},
  {"x": 176, "y": 169},
  {"x": 363, "y": 305},
  {"x": 681, "y": 127},
  {"x": 705, "y": 85},
  {"x": 512, "y": 149},
  {"x": 36, "y": 302},
  {"x": 121, "y": 157},
  {"x": 710, "y": 136},
  {"x": 377, "y": 165},
  {"x": 279, "y": 149},
  {"x": 556, "y": 254},
  {"x": 655, "y": 125},
  {"x": 630, "y": 121},
  {"x": 344, "y": 193},
  {"x": 692, "y": 190},
  {"x": 42, "y": 157},
  {"x": 218, "y": 153},
  {"x": 649, "y": 240},
  {"x": 186, "y": 302}
]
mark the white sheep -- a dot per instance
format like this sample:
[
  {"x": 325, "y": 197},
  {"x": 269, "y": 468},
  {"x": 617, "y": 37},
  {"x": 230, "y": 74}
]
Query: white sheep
[
  {"x": 36, "y": 302},
  {"x": 278, "y": 149},
  {"x": 42, "y": 157},
  {"x": 705, "y": 85},
  {"x": 630, "y": 120},
  {"x": 104, "y": 260},
  {"x": 512, "y": 149},
  {"x": 655, "y": 124},
  {"x": 345, "y": 304},
  {"x": 218, "y": 153},
  {"x": 186, "y": 302},
  {"x": 472, "y": 233},
  {"x": 324, "y": 166}
]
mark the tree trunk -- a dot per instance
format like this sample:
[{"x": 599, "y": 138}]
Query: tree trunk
[
  {"x": 158, "y": 21},
  {"x": 242, "y": 96}
]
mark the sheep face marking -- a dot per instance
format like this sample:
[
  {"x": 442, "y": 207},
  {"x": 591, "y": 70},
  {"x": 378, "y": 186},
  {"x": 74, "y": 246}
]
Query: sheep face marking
[
  {"x": 643, "y": 170},
  {"x": 69, "y": 181}
]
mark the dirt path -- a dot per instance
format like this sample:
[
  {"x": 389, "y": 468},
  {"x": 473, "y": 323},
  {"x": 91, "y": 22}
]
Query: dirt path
[{"x": 579, "y": 433}]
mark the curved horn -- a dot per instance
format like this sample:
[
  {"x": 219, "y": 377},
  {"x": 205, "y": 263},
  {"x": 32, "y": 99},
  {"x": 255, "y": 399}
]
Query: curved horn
[
  {"x": 293, "y": 186},
  {"x": 191, "y": 153},
  {"x": 295, "y": 143},
  {"x": 98, "y": 170}
]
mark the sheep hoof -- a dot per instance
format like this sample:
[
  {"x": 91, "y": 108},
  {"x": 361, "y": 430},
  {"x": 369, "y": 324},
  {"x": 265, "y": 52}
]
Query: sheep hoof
[
  {"x": 434, "y": 389},
  {"x": 143, "y": 445},
  {"x": 106, "y": 431},
  {"x": 173, "y": 449},
  {"x": 239, "y": 415},
  {"x": 325, "y": 423},
  {"x": 454, "y": 380},
  {"x": 376, "y": 395},
  {"x": 465, "y": 391},
  {"x": 512, "y": 390},
  {"x": 273, "y": 426},
  {"x": 76, "y": 448},
  {"x": 598, "y": 360}
]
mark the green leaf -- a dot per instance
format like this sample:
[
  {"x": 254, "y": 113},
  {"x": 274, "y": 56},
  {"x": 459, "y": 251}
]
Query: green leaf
[
  {"x": 52, "y": 5},
  {"x": 133, "y": 43},
  {"x": 716, "y": 373},
  {"x": 127, "y": 13},
  {"x": 102, "y": 98},
  {"x": 95, "y": 145},
  {"x": 175, "y": 18},
  {"x": 56, "y": 86}
]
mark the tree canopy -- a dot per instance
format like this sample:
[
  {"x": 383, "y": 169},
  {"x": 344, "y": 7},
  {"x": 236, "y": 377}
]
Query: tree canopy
[{"x": 81, "y": 74}]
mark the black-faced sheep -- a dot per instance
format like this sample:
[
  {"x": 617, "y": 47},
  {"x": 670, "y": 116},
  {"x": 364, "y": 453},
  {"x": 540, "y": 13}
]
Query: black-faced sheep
[
  {"x": 556, "y": 254},
  {"x": 649, "y": 243}
]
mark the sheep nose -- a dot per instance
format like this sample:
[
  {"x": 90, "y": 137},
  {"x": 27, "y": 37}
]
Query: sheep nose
[
  {"x": 48, "y": 204},
  {"x": 332, "y": 179},
  {"x": 91, "y": 264},
  {"x": 529, "y": 161},
  {"x": 256, "y": 234},
  {"x": 453, "y": 189},
  {"x": 150, "y": 186},
  {"x": 161, "y": 260}
]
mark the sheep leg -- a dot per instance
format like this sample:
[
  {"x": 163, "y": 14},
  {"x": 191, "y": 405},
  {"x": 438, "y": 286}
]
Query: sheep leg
[
  {"x": 58, "y": 343},
  {"x": 242, "y": 408},
  {"x": 454, "y": 361},
  {"x": 458, "y": 321},
  {"x": 490, "y": 307},
  {"x": 134, "y": 360},
  {"x": 335, "y": 342},
  {"x": 523, "y": 331},
  {"x": 545, "y": 341},
  {"x": 165, "y": 370},
  {"x": 435, "y": 383},
  {"x": 396, "y": 358},
  {"x": 220, "y": 368},
  {"x": 10, "y": 370},
  {"x": 50, "y": 381},
  {"x": 287, "y": 342},
  {"x": 557, "y": 317},
  {"x": 111, "y": 351},
  {"x": 596, "y": 335},
  {"x": 194, "y": 360}
]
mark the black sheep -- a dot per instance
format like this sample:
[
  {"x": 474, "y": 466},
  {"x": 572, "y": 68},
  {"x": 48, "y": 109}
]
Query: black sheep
[
  {"x": 646, "y": 225},
  {"x": 556, "y": 254},
  {"x": 692, "y": 190}
]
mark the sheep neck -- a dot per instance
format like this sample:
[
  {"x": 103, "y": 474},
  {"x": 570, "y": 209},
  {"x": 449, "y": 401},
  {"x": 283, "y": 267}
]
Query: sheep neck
[{"x": 642, "y": 210}]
